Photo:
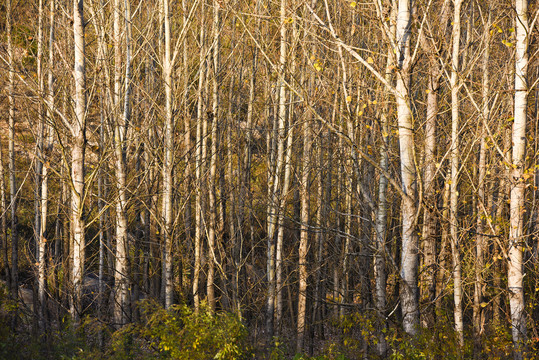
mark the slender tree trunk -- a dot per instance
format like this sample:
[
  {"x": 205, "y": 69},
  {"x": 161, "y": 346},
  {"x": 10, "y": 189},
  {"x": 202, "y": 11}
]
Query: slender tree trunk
[
  {"x": 212, "y": 231},
  {"x": 430, "y": 218},
  {"x": 48, "y": 147},
  {"x": 199, "y": 226},
  {"x": 11, "y": 150},
  {"x": 40, "y": 202},
  {"x": 518, "y": 163},
  {"x": 323, "y": 196},
  {"x": 409, "y": 256},
  {"x": 478, "y": 314},
  {"x": 274, "y": 216},
  {"x": 168, "y": 162},
  {"x": 188, "y": 157},
  {"x": 380, "y": 274},
  {"x": 454, "y": 154},
  {"x": 504, "y": 187},
  {"x": 121, "y": 274},
  {"x": 102, "y": 254},
  {"x": 3, "y": 221},
  {"x": 304, "y": 236},
  {"x": 78, "y": 132}
]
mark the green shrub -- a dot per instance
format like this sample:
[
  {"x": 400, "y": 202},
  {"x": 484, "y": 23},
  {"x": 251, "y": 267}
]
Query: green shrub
[{"x": 180, "y": 333}]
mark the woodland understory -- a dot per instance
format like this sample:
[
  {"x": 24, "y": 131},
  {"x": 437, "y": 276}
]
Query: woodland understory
[{"x": 269, "y": 179}]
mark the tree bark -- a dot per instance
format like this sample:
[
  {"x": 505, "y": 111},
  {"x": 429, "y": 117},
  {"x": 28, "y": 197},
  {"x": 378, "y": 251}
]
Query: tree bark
[
  {"x": 123, "y": 115},
  {"x": 11, "y": 155},
  {"x": 517, "y": 197},
  {"x": 480, "y": 249},
  {"x": 78, "y": 132},
  {"x": 454, "y": 154},
  {"x": 199, "y": 169},
  {"x": 409, "y": 254},
  {"x": 168, "y": 162},
  {"x": 304, "y": 237}
]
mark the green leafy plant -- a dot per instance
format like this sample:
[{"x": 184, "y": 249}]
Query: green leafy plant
[{"x": 181, "y": 333}]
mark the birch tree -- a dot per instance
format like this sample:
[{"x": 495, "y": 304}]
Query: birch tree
[
  {"x": 517, "y": 196},
  {"x": 11, "y": 155},
  {"x": 409, "y": 256},
  {"x": 454, "y": 154},
  {"x": 168, "y": 160},
  {"x": 123, "y": 114},
  {"x": 78, "y": 150}
]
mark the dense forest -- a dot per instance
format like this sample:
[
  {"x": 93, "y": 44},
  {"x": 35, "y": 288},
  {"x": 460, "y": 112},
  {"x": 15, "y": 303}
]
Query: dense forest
[{"x": 269, "y": 179}]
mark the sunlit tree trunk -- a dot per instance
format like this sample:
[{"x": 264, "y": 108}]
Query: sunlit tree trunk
[
  {"x": 40, "y": 204},
  {"x": 409, "y": 256},
  {"x": 518, "y": 163},
  {"x": 123, "y": 114},
  {"x": 168, "y": 162},
  {"x": 78, "y": 132},
  {"x": 454, "y": 154},
  {"x": 188, "y": 156},
  {"x": 199, "y": 226},
  {"x": 274, "y": 210},
  {"x": 215, "y": 118}
]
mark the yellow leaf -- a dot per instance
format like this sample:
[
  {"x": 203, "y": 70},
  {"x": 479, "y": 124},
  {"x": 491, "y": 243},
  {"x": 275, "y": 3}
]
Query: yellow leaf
[
  {"x": 483, "y": 304},
  {"x": 427, "y": 91},
  {"x": 353, "y": 4},
  {"x": 370, "y": 60},
  {"x": 500, "y": 30},
  {"x": 385, "y": 134},
  {"x": 374, "y": 102},
  {"x": 348, "y": 98},
  {"x": 360, "y": 113}
]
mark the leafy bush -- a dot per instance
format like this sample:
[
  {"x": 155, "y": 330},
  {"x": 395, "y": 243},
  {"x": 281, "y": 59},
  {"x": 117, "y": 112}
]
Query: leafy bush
[{"x": 182, "y": 334}]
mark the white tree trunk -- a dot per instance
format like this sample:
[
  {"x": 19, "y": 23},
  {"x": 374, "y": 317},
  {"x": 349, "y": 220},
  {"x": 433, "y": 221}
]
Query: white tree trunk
[
  {"x": 212, "y": 230},
  {"x": 78, "y": 132},
  {"x": 409, "y": 257},
  {"x": 516, "y": 241},
  {"x": 121, "y": 304},
  {"x": 199, "y": 226},
  {"x": 274, "y": 206},
  {"x": 168, "y": 162},
  {"x": 40, "y": 205},
  {"x": 454, "y": 154}
]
